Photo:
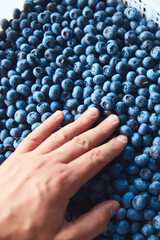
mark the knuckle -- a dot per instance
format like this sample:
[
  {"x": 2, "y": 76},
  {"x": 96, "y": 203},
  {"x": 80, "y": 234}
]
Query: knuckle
[
  {"x": 61, "y": 136},
  {"x": 62, "y": 178},
  {"x": 81, "y": 141},
  {"x": 96, "y": 156},
  {"x": 32, "y": 138},
  {"x": 42, "y": 189}
]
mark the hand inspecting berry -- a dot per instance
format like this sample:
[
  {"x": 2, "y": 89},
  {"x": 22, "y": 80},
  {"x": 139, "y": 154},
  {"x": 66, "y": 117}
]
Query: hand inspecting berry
[
  {"x": 47, "y": 169},
  {"x": 71, "y": 56}
]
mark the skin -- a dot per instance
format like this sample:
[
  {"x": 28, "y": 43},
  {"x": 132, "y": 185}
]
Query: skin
[{"x": 47, "y": 169}]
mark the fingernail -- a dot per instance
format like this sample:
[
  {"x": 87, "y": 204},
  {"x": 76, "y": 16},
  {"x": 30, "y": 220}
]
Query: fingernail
[
  {"x": 58, "y": 114},
  {"x": 122, "y": 138},
  {"x": 92, "y": 112},
  {"x": 114, "y": 209},
  {"x": 112, "y": 118}
]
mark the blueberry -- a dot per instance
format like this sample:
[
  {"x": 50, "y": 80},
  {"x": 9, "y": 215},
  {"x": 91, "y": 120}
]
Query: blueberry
[
  {"x": 155, "y": 203},
  {"x": 99, "y": 79},
  {"x": 8, "y": 143},
  {"x": 155, "y": 152},
  {"x": 42, "y": 107},
  {"x": 20, "y": 116},
  {"x": 143, "y": 117},
  {"x": 120, "y": 185},
  {"x": 138, "y": 236},
  {"x": 132, "y": 169},
  {"x": 3, "y": 92},
  {"x": 72, "y": 103},
  {"x": 2, "y": 113},
  {"x": 107, "y": 103},
  {"x": 15, "y": 132},
  {"x": 148, "y": 229},
  {"x": 135, "y": 227},
  {"x": 68, "y": 118},
  {"x": 110, "y": 229},
  {"x": 120, "y": 107},
  {"x": 140, "y": 184},
  {"x": 101, "y": 47},
  {"x": 2, "y": 159},
  {"x": 115, "y": 87},
  {"x": 108, "y": 71},
  {"x": 25, "y": 133},
  {"x": 155, "y": 97},
  {"x": 153, "y": 88},
  {"x": 141, "y": 81},
  {"x": 141, "y": 160},
  {"x": 134, "y": 63},
  {"x": 112, "y": 48},
  {"x": 121, "y": 213},
  {"x": 126, "y": 52},
  {"x": 123, "y": 227},
  {"x": 67, "y": 85},
  {"x": 32, "y": 117},
  {"x": 89, "y": 39},
  {"x": 48, "y": 41},
  {"x": 146, "y": 174},
  {"x": 152, "y": 237},
  {"x": 133, "y": 110},
  {"x": 136, "y": 140},
  {"x": 143, "y": 129},
  {"x": 152, "y": 75},
  {"x": 17, "y": 141},
  {"x": 12, "y": 36},
  {"x": 38, "y": 96},
  {"x": 154, "y": 188},
  {"x": 128, "y": 153},
  {"x": 12, "y": 95},
  {"x": 141, "y": 54},
  {"x": 10, "y": 123},
  {"x": 78, "y": 67},
  {"x": 139, "y": 202},
  {"x": 156, "y": 222},
  {"x": 4, "y": 23},
  {"x": 148, "y": 62},
  {"x": 96, "y": 96},
  {"x": 134, "y": 215},
  {"x": 109, "y": 32},
  {"x": 87, "y": 12},
  {"x": 96, "y": 69},
  {"x": 121, "y": 68},
  {"x": 156, "y": 176},
  {"x": 125, "y": 130},
  {"x": 130, "y": 76},
  {"x": 23, "y": 89},
  {"x": 130, "y": 37},
  {"x": 4, "y": 134},
  {"x": 128, "y": 99},
  {"x": 113, "y": 96},
  {"x": 156, "y": 141},
  {"x": 155, "y": 53},
  {"x": 21, "y": 104},
  {"x": 131, "y": 13},
  {"x": 43, "y": 118}
]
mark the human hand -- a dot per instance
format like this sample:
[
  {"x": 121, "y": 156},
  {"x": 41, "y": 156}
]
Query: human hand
[{"x": 47, "y": 169}]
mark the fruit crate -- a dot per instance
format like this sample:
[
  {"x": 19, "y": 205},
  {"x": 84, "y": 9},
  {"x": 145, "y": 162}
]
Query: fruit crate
[{"x": 150, "y": 9}]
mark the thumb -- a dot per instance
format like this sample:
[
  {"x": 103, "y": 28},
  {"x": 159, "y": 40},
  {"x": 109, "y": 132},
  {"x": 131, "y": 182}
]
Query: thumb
[{"x": 90, "y": 224}]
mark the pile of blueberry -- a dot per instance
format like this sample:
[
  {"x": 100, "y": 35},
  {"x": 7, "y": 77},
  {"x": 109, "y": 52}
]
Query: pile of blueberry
[{"x": 74, "y": 54}]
